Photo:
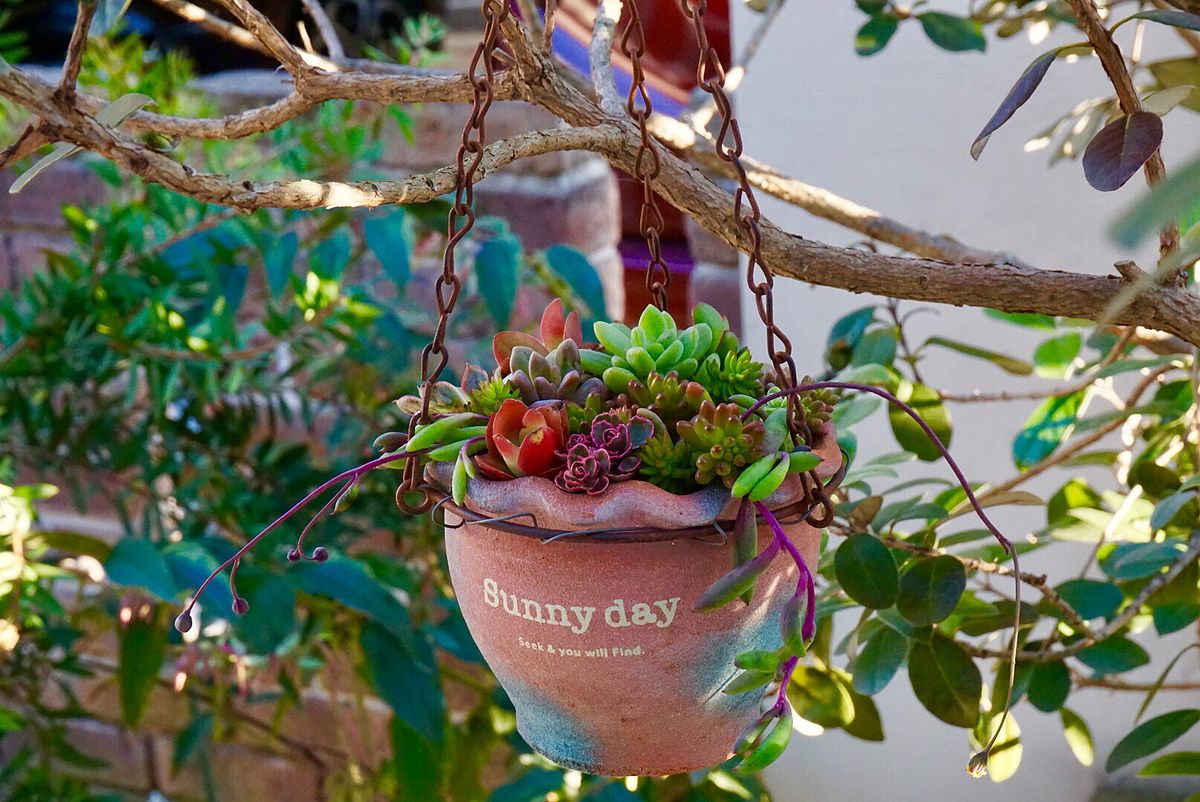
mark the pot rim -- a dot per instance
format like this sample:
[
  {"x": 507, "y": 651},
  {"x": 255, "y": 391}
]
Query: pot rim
[{"x": 630, "y": 511}]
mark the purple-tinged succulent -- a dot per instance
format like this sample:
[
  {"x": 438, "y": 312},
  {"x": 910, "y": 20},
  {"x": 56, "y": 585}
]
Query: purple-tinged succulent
[{"x": 603, "y": 455}]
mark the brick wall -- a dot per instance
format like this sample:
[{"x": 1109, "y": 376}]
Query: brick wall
[{"x": 566, "y": 198}]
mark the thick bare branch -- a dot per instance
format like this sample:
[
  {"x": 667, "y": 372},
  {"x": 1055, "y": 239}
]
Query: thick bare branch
[{"x": 262, "y": 29}]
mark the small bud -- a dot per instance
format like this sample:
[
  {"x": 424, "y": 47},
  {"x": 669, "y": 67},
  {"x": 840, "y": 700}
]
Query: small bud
[
  {"x": 293, "y": 555},
  {"x": 183, "y": 622},
  {"x": 240, "y": 605},
  {"x": 978, "y": 765},
  {"x": 320, "y": 554}
]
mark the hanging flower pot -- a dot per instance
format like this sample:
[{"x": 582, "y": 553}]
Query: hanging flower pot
[
  {"x": 631, "y": 515},
  {"x": 597, "y": 641}
]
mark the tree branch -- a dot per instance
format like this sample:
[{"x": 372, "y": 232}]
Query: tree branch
[
  {"x": 74, "y": 59},
  {"x": 333, "y": 44},
  {"x": 1118, "y": 74},
  {"x": 608, "y": 12}
]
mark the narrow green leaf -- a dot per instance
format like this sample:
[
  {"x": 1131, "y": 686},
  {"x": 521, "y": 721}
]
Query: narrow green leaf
[
  {"x": 1150, "y": 736},
  {"x": 1176, "y": 764},
  {"x": 142, "y": 647},
  {"x": 1009, "y": 364}
]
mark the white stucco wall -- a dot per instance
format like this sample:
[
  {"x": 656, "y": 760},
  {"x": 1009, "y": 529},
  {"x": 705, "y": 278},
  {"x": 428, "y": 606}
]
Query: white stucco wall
[{"x": 892, "y": 132}]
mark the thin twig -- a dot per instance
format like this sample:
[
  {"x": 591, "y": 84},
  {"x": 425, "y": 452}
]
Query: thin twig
[
  {"x": 608, "y": 12},
  {"x": 328, "y": 31},
  {"x": 74, "y": 59}
]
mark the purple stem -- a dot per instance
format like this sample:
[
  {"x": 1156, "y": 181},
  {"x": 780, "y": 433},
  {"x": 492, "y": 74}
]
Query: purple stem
[
  {"x": 804, "y": 584},
  {"x": 930, "y": 433},
  {"x": 353, "y": 475}
]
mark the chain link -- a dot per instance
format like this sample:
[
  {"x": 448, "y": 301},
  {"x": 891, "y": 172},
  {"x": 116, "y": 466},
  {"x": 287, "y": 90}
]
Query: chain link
[
  {"x": 710, "y": 76},
  {"x": 646, "y": 167},
  {"x": 459, "y": 222}
]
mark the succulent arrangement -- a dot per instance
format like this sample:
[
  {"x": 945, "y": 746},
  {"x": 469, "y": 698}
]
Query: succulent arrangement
[{"x": 654, "y": 402}]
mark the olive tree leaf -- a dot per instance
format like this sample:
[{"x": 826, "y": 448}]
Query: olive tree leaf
[
  {"x": 1164, "y": 101},
  {"x": 930, "y": 589},
  {"x": 945, "y": 680},
  {"x": 1079, "y": 737},
  {"x": 1009, "y": 364},
  {"x": 1021, "y": 91},
  {"x": 867, "y": 571},
  {"x": 951, "y": 32},
  {"x": 1167, "y": 201},
  {"x": 1176, "y": 19},
  {"x": 1175, "y": 72},
  {"x": 1120, "y": 149},
  {"x": 1176, "y": 764},
  {"x": 112, "y": 115},
  {"x": 1150, "y": 736},
  {"x": 108, "y": 14}
]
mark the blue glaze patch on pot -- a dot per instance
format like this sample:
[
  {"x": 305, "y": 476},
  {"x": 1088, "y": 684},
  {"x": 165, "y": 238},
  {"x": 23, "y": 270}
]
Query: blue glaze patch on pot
[
  {"x": 551, "y": 730},
  {"x": 710, "y": 675}
]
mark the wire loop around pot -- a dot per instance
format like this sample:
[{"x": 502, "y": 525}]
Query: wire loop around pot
[{"x": 793, "y": 512}]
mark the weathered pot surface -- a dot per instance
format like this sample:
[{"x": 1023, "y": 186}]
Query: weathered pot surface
[{"x": 609, "y": 667}]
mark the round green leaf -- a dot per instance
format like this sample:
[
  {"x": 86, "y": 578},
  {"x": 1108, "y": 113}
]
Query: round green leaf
[
  {"x": 867, "y": 571},
  {"x": 909, "y": 434},
  {"x": 820, "y": 698},
  {"x": 930, "y": 589},
  {"x": 1049, "y": 686},
  {"x": 945, "y": 680},
  {"x": 879, "y": 660}
]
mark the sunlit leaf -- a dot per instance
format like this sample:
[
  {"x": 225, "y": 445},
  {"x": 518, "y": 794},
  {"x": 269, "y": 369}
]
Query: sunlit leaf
[{"x": 1079, "y": 737}]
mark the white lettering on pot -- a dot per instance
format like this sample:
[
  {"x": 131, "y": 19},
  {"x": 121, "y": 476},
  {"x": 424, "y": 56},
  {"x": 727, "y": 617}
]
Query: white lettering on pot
[{"x": 617, "y": 615}]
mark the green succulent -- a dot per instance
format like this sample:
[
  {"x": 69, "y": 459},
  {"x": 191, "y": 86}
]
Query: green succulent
[
  {"x": 654, "y": 345},
  {"x": 730, "y": 371},
  {"x": 818, "y": 404},
  {"x": 667, "y": 396},
  {"x": 557, "y": 375},
  {"x": 721, "y": 444},
  {"x": 489, "y": 394},
  {"x": 667, "y": 463}
]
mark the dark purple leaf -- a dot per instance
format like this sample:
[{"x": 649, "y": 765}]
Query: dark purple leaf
[
  {"x": 1121, "y": 147},
  {"x": 1021, "y": 91}
]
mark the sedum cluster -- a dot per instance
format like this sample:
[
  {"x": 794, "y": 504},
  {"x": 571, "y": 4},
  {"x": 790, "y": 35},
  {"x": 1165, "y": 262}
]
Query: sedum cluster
[{"x": 655, "y": 402}]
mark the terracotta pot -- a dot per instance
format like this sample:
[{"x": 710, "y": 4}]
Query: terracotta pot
[{"x": 609, "y": 667}]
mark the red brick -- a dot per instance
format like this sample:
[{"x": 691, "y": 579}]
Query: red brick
[
  {"x": 239, "y": 773},
  {"x": 128, "y": 765},
  {"x": 40, "y": 204},
  {"x": 22, "y": 252}
]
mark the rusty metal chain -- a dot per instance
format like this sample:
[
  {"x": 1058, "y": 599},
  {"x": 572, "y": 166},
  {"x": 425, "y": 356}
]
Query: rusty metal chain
[
  {"x": 459, "y": 222},
  {"x": 646, "y": 168},
  {"x": 710, "y": 76}
]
